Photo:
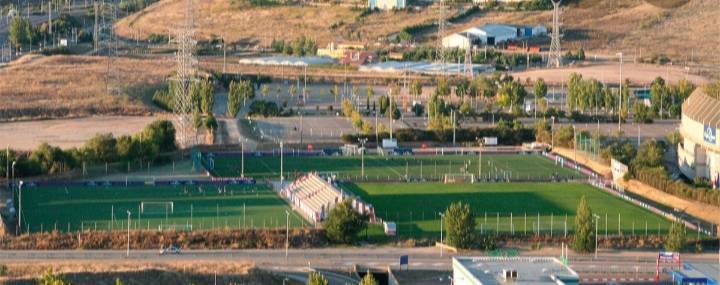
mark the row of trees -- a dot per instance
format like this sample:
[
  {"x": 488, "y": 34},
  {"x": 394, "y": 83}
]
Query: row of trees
[
  {"x": 148, "y": 145},
  {"x": 301, "y": 46},
  {"x": 22, "y": 32}
]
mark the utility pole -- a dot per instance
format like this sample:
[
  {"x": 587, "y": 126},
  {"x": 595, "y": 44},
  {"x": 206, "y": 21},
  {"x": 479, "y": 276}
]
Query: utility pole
[
  {"x": 287, "y": 233},
  {"x": 242, "y": 159},
  {"x": 282, "y": 176},
  {"x": 442, "y": 216},
  {"x": 555, "y": 53},
  {"x": 362, "y": 156},
  {"x": 20, "y": 205}
]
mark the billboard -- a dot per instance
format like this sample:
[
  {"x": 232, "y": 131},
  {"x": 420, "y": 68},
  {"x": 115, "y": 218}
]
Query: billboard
[{"x": 710, "y": 134}]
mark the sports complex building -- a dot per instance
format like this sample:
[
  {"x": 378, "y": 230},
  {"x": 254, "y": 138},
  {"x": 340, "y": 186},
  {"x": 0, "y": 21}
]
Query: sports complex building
[{"x": 699, "y": 152}]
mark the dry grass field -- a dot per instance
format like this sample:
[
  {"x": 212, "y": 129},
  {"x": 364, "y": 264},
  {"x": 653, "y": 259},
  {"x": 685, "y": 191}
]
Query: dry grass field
[
  {"x": 632, "y": 26},
  {"x": 146, "y": 272},
  {"x": 253, "y": 25},
  {"x": 36, "y": 86}
]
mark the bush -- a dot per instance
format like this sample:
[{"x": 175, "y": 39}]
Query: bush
[
  {"x": 344, "y": 224},
  {"x": 505, "y": 136},
  {"x": 264, "y": 108},
  {"x": 3, "y": 270},
  {"x": 460, "y": 223}
]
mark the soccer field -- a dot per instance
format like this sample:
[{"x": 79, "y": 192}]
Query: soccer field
[
  {"x": 105, "y": 208},
  {"x": 415, "y": 207},
  {"x": 430, "y": 167}
]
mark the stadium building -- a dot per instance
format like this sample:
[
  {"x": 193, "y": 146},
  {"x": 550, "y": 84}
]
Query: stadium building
[
  {"x": 518, "y": 270},
  {"x": 699, "y": 152}
]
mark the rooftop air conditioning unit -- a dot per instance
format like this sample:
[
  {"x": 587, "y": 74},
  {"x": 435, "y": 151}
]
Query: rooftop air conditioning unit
[{"x": 509, "y": 275}]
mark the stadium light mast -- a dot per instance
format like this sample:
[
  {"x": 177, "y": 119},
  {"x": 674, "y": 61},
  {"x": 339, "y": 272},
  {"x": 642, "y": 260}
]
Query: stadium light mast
[
  {"x": 242, "y": 158},
  {"x": 442, "y": 216},
  {"x": 287, "y": 233},
  {"x": 596, "y": 217},
  {"x": 19, "y": 205},
  {"x": 362, "y": 156},
  {"x": 282, "y": 176},
  {"x": 127, "y": 253}
]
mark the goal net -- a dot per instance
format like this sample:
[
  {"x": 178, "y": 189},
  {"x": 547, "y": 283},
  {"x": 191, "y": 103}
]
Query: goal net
[
  {"x": 150, "y": 208},
  {"x": 459, "y": 178}
]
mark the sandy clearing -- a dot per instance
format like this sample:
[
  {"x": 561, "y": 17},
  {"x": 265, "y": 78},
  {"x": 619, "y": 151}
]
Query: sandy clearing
[
  {"x": 697, "y": 209},
  {"x": 594, "y": 165},
  {"x": 638, "y": 74},
  {"x": 67, "y": 133}
]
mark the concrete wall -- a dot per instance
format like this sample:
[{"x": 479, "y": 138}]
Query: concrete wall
[{"x": 696, "y": 156}]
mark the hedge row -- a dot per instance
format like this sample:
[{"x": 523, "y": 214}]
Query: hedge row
[
  {"x": 657, "y": 177},
  {"x": 505, "y": 136}
]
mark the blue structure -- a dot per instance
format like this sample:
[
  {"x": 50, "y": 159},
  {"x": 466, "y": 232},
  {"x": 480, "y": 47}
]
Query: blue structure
[{"x": 694, "y": 274}]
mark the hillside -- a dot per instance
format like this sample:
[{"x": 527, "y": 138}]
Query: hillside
[
  {"x": 631, "y": 26},
  {"x": 36, "y": 86},
  {"x": 252, "y": 25}
]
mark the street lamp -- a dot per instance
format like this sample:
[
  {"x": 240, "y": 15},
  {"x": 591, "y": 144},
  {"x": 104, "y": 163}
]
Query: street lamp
[
  {"x": 552, "y": 132},
  {"x": 596, "y": 234},
  {"x": 362, "y": 156},
  {"x": 620, "y": 54},
  {"x": 127, "y": 254},
  {"x": 13, "y": 171},
  {"x": 575, "y": 140},
  {"x": 442, "y": 216}
]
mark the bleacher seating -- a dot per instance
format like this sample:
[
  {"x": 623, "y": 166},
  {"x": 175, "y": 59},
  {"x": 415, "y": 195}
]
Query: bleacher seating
[{"x": 315, "y": 196}]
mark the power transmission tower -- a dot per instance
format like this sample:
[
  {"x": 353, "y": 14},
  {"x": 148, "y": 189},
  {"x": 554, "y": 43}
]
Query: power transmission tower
[
  {"x": 468, "y": 59},
  {"x": 440, "y": 48},
  {"x": 555, "y": 54},
  {"x": 96, "y": 27},
  {"x": 183, "y": 105},
  {"x": 111, "y": 46}
]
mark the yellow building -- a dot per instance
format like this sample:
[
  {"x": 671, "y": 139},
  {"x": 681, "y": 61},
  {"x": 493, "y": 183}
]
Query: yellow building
[
  {"x": 699, "y": 152},
  {"x": 338, "y": 51}
]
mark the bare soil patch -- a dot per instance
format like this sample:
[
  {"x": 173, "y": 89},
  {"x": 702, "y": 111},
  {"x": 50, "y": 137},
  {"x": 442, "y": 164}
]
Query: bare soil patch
[
  {"x": 697, "y": 209},
  {"x": 71, "y": 86},
  {"x": 638, "y": 74},
  {"x": 134, "y": 272},
  {"x": 259, "y": 25},
  {"x": 598, "y": 167}
]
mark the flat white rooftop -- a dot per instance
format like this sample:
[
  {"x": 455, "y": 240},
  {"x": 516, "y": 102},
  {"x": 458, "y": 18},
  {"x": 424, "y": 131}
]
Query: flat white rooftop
[{"x": 530, "y": 270}]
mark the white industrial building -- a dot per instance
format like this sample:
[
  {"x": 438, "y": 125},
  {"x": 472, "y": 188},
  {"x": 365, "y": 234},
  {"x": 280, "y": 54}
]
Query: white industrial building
[
  {"x": 386, "y": 4},
  {"x": 512, "y": 270},
  {"x": 491, "y": 34},
  {"x": 699, "y": 152}
]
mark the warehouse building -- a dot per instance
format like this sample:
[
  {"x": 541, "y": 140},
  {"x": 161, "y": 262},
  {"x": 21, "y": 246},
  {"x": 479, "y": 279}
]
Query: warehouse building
[
  {"x": 518, "y": 270},
  {"x": 491, "y": 34},
  {"x": 699, "y": 152}
]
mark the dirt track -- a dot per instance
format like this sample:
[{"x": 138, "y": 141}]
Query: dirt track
[
  {"x": 67, "y": 133},
  {"x": 638, "y": 74},
  {"x": 697, "y": 209}
]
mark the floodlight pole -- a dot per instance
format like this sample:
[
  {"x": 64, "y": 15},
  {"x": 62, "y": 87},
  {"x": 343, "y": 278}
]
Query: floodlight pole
[
  {"x": 441, "y": 233},
  {"x": 552, "y": 133},
  {"x": 575, "y": 146},
  {"x": 596, "y": 234},
  {"x": 287, "y": 233},
  {"x": 242, "y": 159},
  {"x": 127, "y": 254},
  {"x": 282, "y": 176},
  {"x": 362, "y": 156},
  {"x": 19, "y": 204}
]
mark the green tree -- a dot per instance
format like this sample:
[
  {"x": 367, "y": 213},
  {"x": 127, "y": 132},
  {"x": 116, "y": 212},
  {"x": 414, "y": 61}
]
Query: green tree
[
  {"x": 442, "y": 88},
  {"x": 675, "y": 240},
  {"x": 50, "y": 278},
  {"x": 102, "y": 147},
  {"x": 650, "y": 154},
  {"x": 335, "y": 92},
  {"x": 20, "y": 31},
  {"x": 641, "y": 113},
  {"x": 128, "y": 149},
  {"x": 462, "y": 88},
  {"x": 539, "y": 91},
  {"x": 316, "y": 278},
  {"x": 512, "y": 95},
  {"x": 118, "y": 281},
  {"x": 369, "y": 279},
  {"x": 265, "y": 90},
  {"x": 247, "y": 90},
  {"x": 415, "y": 88},
  {"x": 49, "y": 158},
  {"x": 460, "y": 224},
  {"x": 211, "y": 123},
  {"x": 584, "y": 238},
  {"x": 384, "y": 104},
  {"x": 343, "y": 224},
  {"x": 161, "y": 135},
  {"x": 235, "y": 99}
]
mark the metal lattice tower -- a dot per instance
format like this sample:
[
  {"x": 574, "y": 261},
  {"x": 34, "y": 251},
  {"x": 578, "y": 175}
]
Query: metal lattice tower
[
  {"x": 555, "y": 54},
  {"x": 111, "y": 47},
  {"x": 183, "y": 105},
  {"x": 440, "y": 48},
  {"x": 468, "y": 59}
]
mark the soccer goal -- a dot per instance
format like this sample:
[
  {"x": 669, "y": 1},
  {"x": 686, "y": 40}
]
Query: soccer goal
[
  {"x": 459, "y": 178},
  {"x": 156, "y": 208}
]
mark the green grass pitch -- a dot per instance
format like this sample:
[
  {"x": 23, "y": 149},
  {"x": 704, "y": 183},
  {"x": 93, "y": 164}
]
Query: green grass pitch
[
  {"x": 415, "y": 207},
  {"x": 90, "y": 208},
  {"x": 394, "y": 167}
]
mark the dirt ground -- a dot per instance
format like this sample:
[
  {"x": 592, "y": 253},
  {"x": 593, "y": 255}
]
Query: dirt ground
[
  {"x": 106, "y": 272},
  {"x": 700, "y": 210},
  {"x": 253, "y": 25},
  {"x": 38, "y": 86},
  {"x": 67, "y": 133},
  {"x": 638, "y": 74},
  {"x": 594, "y": 165}
]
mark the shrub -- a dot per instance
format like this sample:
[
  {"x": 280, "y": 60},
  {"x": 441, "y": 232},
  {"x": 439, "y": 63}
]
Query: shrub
[
  {"x": 344, "y": 224},
  {"x": 460, "y": 223}
]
